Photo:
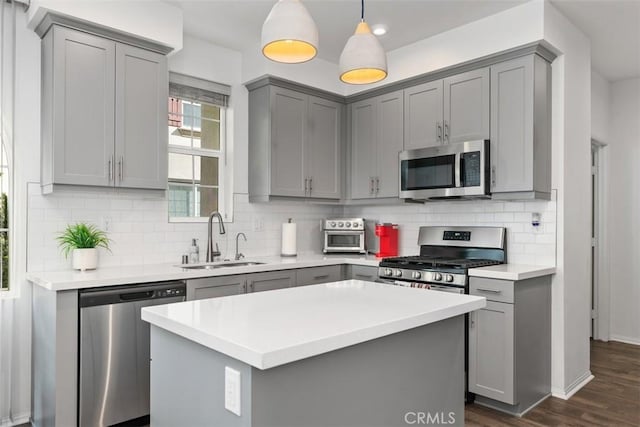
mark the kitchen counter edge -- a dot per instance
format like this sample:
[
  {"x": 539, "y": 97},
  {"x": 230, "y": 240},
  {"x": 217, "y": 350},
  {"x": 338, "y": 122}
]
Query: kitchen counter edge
[{"x": 514, "y": 272}]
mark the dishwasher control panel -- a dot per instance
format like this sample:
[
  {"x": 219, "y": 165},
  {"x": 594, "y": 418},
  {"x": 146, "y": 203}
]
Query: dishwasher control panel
[{"x": 175, "y": 292}]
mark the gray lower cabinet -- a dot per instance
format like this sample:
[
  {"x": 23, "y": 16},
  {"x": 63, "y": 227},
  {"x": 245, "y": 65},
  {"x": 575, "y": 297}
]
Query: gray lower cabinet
[
  {"x": 316, "y": 275},
  {"x": 510, "y": 343},
  {"x": 213, "y": 287},
  {"x": 294, "y": 144},
  {"x": 104, "y": 109},
  {"x": 377, "y": 134},
  {"x": 271, "y": 280},
  {"x": 361, "y": 272},
  {"x": 521, "y": 128}
]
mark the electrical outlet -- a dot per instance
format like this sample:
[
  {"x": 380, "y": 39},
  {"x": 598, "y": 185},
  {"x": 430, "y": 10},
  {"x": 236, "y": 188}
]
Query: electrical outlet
[
  {"x": 106, "y": 223},
  {"x": 232, "y": 390},
  {"x": 258, "y": 223}
]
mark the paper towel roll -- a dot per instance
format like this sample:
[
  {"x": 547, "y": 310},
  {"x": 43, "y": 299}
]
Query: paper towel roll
[{"x": 289, "y": 247}]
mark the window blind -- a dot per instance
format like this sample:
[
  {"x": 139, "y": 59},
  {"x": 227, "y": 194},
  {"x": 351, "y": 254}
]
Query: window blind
[{"x": 199, "y": 90}]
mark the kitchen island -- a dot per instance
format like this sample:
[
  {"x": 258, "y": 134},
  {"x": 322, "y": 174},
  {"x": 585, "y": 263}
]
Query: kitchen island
[{"x": 347, "y": 353}]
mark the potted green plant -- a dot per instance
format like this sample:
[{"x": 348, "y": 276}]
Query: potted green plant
[{"x": 82, "y": 241}]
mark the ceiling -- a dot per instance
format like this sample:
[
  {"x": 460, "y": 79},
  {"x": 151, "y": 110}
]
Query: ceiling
[
  {"x": 614, "y": 29},
  {"x": 612, "y": 25},
  {"x": 237, "y": 23}
]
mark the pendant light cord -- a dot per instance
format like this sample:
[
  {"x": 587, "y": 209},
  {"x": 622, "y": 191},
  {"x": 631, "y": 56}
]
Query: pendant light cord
[{"x": 362, "y": 11}]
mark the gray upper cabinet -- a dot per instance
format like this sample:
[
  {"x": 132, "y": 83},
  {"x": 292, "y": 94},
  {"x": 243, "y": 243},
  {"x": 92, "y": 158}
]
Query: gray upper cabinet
[
  {"x": 78, "y": 114},
  {"x": 423, "y": 115},
  {"x": 454, "y": 109},
  {"x": 377, "y": 134},
  {"x": 288, "y": 133},
  {"x": 142, "y": 90},
  {"x": 323, "y": 148},
  {"x": 520, "y": 128},
  {"x": 294, "y": 145},
  {"x": 466, "y": 106},
  {"x": 104, "y": 109}
]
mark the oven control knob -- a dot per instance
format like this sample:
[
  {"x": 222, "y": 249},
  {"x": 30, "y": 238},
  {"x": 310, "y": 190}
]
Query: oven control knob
[
  {"x": 398, "y": 273},
  {"x": 333, "y": 223},
  {"x": 347, "y": 224},
  {"x": 340, "y": 224},
  {"x": 448, "y": 278},
  {"x": 388, "y": 272},
  {"x": 355, "y": 224},
  {"x": 417, "y": 275},
  {"x": 437, "y": 276}
]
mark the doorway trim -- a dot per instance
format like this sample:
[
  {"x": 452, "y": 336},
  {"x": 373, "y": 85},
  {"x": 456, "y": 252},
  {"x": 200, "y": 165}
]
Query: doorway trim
[{"x": 601, "y": 277}]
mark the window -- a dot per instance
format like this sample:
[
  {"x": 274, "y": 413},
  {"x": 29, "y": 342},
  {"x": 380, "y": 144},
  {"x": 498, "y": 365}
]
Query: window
[{"x": 197, "y": 143}]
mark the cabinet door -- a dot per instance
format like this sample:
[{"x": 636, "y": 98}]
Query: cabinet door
[
  {"x": 83, "y": 108},
  {"x": 512, "y": 117},
  {"x": 316, "y": 275},
  {"x": 423, "y": 109},
  {"x": 389, "y": 144},
  {"x": 288, "y": 134},
  {"x": 466, "y": 106},
  {"x": 271, "y": 280},
  {"x": 141, "y": 118},
  {"x": 491, "y": 352},
  {"x": 323, "y": 148},
  {"x": 361, "y": 272},
  {"x": 363, "y": 148},
  {"x": 214, "y": 287}
]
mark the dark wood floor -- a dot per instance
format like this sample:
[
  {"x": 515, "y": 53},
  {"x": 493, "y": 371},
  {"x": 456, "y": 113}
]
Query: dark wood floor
[{"x": 612, "y": 398}]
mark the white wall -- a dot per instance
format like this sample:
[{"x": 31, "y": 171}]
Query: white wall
[
  {"x": 600, "y": 108},
  {"x": 624, "y": 210},
  {"x": 571, "y": 134},
  {"x": 162, "y": 23}
]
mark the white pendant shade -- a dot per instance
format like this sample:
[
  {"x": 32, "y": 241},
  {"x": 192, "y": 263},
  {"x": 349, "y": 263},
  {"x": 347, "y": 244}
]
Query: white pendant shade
[
  {"x": 289, "y": 33},
  {"x": 363, "y": 59}
]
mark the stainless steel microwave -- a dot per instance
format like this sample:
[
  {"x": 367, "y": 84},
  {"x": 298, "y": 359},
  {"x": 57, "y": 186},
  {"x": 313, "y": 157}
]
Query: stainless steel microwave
[{"x": 457, "y": 170}]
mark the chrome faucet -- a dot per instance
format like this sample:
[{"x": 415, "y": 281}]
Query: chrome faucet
[
  {"x": 239, "y": 255},
  {"x": 211, "y": 254}
]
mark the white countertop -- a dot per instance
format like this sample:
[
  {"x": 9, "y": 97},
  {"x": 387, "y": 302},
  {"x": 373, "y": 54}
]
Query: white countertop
[
  {"x": 512, "y": 271},
  {"x": 109, "y": 276},
  {"x": 268, "y": 329}
]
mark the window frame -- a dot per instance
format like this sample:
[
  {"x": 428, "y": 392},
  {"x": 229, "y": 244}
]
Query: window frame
[{"x": 223, "y": 183}]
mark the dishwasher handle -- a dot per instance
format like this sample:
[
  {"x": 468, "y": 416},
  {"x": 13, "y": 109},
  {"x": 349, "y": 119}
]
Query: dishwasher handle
[
  {"x": 131, "y": 293},
  {"x": 133, "y": 296}
]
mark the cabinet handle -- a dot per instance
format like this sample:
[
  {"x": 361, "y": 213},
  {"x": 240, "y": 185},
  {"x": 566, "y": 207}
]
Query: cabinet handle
[
  {"x": 493, "y": 176},
  {"x": 491, "y": 291},
  {"x": 439, "y": 131},
  {"x": 472, "y": 322},
  {"x": 120, "y": 166},
  {"x": 370, "y": 185},
  {"x": 446, "y": 131},
  {"x": 244, "y": 288},
  {"x": 251, "y": 287},
  {"x": 310, "y": 185},
  {"x": 377, "y": 185},
  {"x": 306, "y": 186},
  {"x": 110, "y": 166}
]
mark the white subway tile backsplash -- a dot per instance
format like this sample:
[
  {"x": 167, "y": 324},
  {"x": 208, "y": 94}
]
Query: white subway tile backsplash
[{"x": 141, "y": 233}]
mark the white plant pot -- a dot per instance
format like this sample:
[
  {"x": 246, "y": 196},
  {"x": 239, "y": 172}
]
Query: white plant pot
[{"x": 85, "y": 259}]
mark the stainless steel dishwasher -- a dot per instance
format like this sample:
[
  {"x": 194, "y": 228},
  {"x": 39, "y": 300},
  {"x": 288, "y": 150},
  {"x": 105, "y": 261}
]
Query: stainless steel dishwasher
[{"x": 114, "y": 351}]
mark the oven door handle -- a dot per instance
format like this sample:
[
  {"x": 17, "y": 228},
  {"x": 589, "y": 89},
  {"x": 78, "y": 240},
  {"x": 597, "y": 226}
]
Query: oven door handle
[{"x": 458, "y": 168}]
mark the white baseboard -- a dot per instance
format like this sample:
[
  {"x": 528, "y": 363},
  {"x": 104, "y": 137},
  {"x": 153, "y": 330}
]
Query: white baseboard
[
  {"x": 626, "y": 340},
  {"x": 573, "y": 388},
  {"x": 16, "y": 420}
]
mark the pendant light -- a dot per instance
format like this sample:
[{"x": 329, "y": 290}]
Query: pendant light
[
  {"x": 363, "y": 59},
  {"x": 289, "y": 33}
]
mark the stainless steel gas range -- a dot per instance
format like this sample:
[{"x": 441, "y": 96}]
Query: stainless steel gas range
[{"x": 446, "y": 254}]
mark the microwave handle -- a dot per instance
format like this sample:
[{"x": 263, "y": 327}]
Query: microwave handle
[{"x": 458, "y": 160}]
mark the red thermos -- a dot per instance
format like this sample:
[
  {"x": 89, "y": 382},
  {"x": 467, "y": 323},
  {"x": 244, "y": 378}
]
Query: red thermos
[{"x": 388, "y": 240}]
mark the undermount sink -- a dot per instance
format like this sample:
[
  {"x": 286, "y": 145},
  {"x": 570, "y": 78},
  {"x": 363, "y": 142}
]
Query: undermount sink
[{"x": 223, "y": 265}]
